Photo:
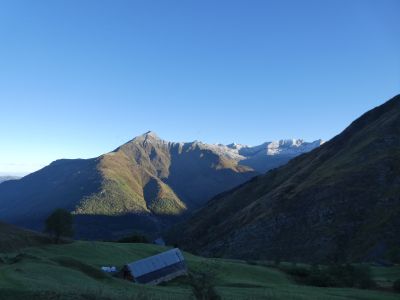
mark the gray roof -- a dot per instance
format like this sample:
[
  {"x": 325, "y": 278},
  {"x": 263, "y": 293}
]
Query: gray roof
[{"x": 156, "y": 262}]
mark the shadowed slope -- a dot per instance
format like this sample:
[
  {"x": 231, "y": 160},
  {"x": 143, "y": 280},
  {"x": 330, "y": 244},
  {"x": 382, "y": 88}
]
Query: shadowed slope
[
  {"x": 339, "y": 201},
  {"x": 63, "y": 183},
  {"x": 13, "y": 238}
]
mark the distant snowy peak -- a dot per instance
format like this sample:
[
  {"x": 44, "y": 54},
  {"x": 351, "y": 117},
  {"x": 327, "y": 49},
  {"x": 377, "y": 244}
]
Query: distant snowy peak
[
  {"x": 292, "y": 146},
  {"x": 239, "y": 152},
  {"x": 282, "y": 147},
  {"x": 236, "y": 146},
  {"x": 222, "y": 150}
]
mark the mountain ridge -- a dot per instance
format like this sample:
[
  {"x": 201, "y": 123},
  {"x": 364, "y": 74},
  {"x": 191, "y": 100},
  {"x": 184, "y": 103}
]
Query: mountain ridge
[{"x": 146, "y": 179}]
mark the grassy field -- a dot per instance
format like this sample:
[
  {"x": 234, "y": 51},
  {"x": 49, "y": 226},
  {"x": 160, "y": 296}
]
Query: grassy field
[{"x": 72, "y": 271}]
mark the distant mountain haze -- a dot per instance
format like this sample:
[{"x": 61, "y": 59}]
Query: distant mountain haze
[
  {"x": 146, "y": 184},
  {"x": 5, "y": 178},
  {"x": 339, "y": 202}
]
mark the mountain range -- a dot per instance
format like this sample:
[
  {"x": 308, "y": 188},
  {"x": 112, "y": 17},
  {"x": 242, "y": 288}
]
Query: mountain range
[
  {"x": 144, "y": 185},
  {"x": 339, "y": 202}
]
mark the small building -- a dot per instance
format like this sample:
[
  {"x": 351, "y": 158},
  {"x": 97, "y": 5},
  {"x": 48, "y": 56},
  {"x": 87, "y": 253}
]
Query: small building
[
  {"x": 159, "y": 242},
  {"x": 111, "y": 269},
  {"x": 156, "y": 269}
]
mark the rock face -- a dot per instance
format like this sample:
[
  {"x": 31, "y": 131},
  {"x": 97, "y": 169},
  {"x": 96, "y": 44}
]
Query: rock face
[
  {"x": 145, "y": 184},
  {"x": 338, "y": 202}
]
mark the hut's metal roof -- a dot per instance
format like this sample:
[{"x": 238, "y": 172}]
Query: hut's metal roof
[{"x": 156, "y": 262}]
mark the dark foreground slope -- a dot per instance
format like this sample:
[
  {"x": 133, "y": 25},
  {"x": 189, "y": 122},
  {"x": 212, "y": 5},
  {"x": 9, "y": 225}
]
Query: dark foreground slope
[
  {"x": 72, "y": 272},
  {"x": 340, "y": 201},
  {"x": 13, "y": 238}
]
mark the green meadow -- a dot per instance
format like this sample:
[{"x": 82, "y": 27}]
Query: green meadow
[{"x": 72, "y": 271}]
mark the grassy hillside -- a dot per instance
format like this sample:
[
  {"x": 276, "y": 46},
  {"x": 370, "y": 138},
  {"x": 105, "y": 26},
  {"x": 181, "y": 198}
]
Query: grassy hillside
[
  {"x": 71, "y": 271},
  {"x": 337, "y": 202},
  {"x": 13, "y": 238}
]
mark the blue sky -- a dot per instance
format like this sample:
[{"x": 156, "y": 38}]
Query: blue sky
[{"x": 78, "y": 78}]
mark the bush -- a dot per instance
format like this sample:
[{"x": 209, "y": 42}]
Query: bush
[
  {"x": 396, "y": 286},
  {"x": 363, "y": 278},
  {"x": 319, "y": 277},
  {"x": 203, "y": 287},
  {"x": 394, "y": 255},
  {"x": 277, "y": 261},
  {"x": 135, "y": 238},
  {"x": 252, "y": 262},
  {"x": 333, "y": 276},
  {"x": 203, "y": 283},
  {"x": 298, "y": 272}
]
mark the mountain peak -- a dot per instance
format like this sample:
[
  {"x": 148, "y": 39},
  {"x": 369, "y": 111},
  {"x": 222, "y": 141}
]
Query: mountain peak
[
  {"x": 236, "y": 146},
  {"x": 147, "y": 135},
  {"x": 150, "y": 134}
]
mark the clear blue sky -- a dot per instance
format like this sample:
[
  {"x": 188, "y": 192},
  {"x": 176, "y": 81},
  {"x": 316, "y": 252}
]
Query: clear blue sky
[{"x": 78, "y": 78}]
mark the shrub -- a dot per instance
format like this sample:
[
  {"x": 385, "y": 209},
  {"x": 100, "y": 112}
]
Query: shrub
[
  {"x": 396, "y": 286},
  {"x": 298, "y": 272},
  {"x": 363, "y": 278},
  {"x": 394, "y": 255},
  {"x": 333, "y": 276},
  {"x": 320, "y": 279},
  {"x": 277, "y": 261},
  {"x": 203, "y": 283},
  {"x": 203, "y": 286},
  {"x": 135, "y": 238},
  {"x": 342, "y": 275}
]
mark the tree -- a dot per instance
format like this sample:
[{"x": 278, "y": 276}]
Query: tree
[
  {"x": 203, "y": 283},
  {"x": 59, "y": 224}
]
